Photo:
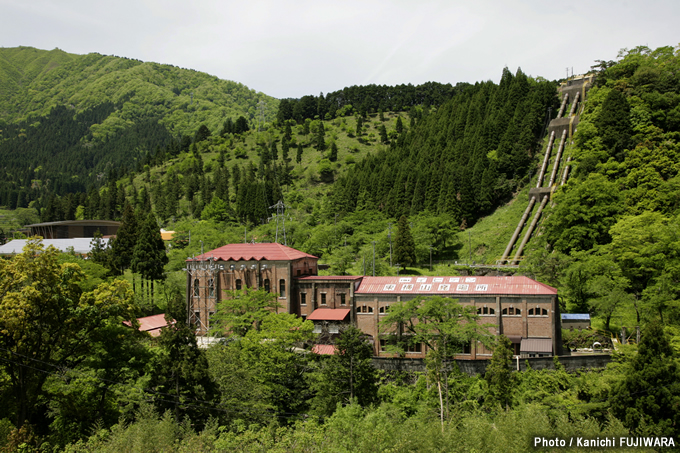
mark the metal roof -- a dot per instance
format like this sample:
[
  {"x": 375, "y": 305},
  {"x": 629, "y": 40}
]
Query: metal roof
[
  {"x": 263, "y": 251},
  {"x": 540, "y": 345},
  {"x": 81, "y": 246},
  {"x": 576, "y": 316},
  {"x": 324, "y": 349},
  {"x": 329, "y": 314},
  {"x": 151, "y": 324},
  {"x": 459, "y": 286},
  {"x": 330, "y": 277}
]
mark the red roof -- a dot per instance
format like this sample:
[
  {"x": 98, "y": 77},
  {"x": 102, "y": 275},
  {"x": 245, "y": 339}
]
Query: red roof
[
  {"x": 326, "y": 349},
  {"x": 455, "y": 286},
  {"x": 330, "y": 277},
  {"x": 329, "y": 314},
  {"x": 266, "y": 251},
  {"x": 151, "y": 324}
]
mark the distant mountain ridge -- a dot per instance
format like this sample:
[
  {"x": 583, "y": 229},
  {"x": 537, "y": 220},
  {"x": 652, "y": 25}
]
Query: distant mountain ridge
[{"x": 33, "y": 81}]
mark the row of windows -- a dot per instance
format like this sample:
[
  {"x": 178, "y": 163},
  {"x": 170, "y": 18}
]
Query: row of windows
[
  {"x": 238, "y": 285},
  {"x": 303, "y": 299},
  {"x": 512, "y": 311},
  {"x": 411, "y": 347}
]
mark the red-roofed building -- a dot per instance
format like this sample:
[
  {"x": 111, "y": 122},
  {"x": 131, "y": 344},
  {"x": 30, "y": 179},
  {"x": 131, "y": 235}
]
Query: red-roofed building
[
  {"x": 212, "y": 275},
  {"x": 151, "y": 324},
  {"x": 522, "y": 309}
]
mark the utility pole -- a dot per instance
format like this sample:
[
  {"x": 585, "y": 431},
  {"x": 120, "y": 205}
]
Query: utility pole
[
  {"x": 374, "y": 258},
  {"x": 389, "y": 235}
]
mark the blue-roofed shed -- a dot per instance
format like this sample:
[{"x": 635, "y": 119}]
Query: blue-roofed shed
[{"x": 575, "y": 320}]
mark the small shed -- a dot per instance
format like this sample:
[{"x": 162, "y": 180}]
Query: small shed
[
  {"x": 575, "y": 321},
  {"x": 536, "y": 347}
]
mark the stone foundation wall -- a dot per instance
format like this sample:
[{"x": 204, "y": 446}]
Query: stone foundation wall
[{"x": 475, "y": 367}]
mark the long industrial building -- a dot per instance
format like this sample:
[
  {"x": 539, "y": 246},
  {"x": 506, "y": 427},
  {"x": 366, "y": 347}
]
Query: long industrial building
[{"x": 524, "y": 310}]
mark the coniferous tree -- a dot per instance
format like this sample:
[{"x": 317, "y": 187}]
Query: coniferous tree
[
  {"x": 320, "y": 137},
  {"x": 383, "y": 133},
  {"x": 298, "y": 156},
  {"x": 499, "y": 375},
  {"x": 333, "y": 156},
  {"x": 404, "y": 245},
  {"x": 399, "y": 127},
  {"x": 149, "y": 257},
  {"x": 123, "y": 246}
]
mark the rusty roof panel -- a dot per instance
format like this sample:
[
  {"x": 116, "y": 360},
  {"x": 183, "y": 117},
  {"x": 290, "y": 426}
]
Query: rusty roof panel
[
  {"x": 324, "y": 349},
  {"x": 458, "y": 286},
  {"x": 265, "y": 251}
]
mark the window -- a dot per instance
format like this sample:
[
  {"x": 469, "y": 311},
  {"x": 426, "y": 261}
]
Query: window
[
  {"x": 342, "y": 299},
  {"x": 211, "y": 288},
  {"x": 538, "y": 312},
  {"x": 197, "y": 314},
  {"x": 282, "y": 288},
  {"x": 239, "y": 285},
  {"x": 303, "y": 298},
  {"x": 466, "y": 348},
  {"x": 486, "y": 311},
  {"x": 383, "y": 344},
  {"x": 370, "y": 309},
  {"x": 267, "y": 285},
  {"x": 414, "y": 347},
  {"x": 384, "y": 309},
  {"x": 197, "y": 290},
  {"x": 299, "y": 272},
  {"x": 364, "y": 309},
  {"x": 512, "y": 311},
  {"x": 323, "y": 298}
]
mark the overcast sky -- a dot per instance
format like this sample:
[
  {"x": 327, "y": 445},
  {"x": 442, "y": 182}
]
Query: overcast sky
[{"x": 292, "y": 48}]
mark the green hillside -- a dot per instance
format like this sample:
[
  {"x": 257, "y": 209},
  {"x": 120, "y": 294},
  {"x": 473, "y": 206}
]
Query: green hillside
[{"x": 35, "y": 81}]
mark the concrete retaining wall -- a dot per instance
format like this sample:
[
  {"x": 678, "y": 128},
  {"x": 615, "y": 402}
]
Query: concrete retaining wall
[{"x": 475, "y": 367}]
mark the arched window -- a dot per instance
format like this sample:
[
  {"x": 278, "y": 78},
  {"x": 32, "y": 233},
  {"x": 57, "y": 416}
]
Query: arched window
[
  {"x": 238, "y": 284},
  {"x": 282, "y": 288},
  {"x": 211, "y": 288},
  {"x": 512, "y": 311},
  {"x": 197, "y": 290},
  {"x": 485, "y": 311},
  {"x": 267, "y": 285},
  {"x": 370, "y": 309}
]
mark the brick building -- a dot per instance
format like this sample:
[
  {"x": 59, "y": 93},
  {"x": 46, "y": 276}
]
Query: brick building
[{"x": 522, "y": 309}]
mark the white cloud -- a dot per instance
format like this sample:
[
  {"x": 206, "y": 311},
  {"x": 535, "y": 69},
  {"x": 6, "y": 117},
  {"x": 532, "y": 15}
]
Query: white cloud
[{"x": 293, "y": 48}]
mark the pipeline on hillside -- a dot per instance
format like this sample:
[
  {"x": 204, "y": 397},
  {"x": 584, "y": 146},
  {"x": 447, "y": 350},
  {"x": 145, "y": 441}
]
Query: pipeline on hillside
[
  {"x": 565, "y": 175},
  {"x": 546, "y": 159},
  {"x": 575, "y": 104},
  {"x": 530, "y": 230},
  {"x": 527, "y": 211},
  {"x": 556, "y": 165},
  {"x": 563, "y": 106}
]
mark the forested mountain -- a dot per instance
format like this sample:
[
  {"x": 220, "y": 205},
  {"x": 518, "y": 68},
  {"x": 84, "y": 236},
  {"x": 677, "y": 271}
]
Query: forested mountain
[
  {"x": 367, "y": 99},
  {"x": 463, "y": 160},
  {"x": 435, "y": 167},
  {"x": 67, "y": 121},
  {"x": 610, "y": 241}
]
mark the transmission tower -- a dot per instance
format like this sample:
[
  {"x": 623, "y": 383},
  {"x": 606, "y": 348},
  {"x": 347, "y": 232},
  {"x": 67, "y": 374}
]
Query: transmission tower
[{"x": 280, "y": 212}]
